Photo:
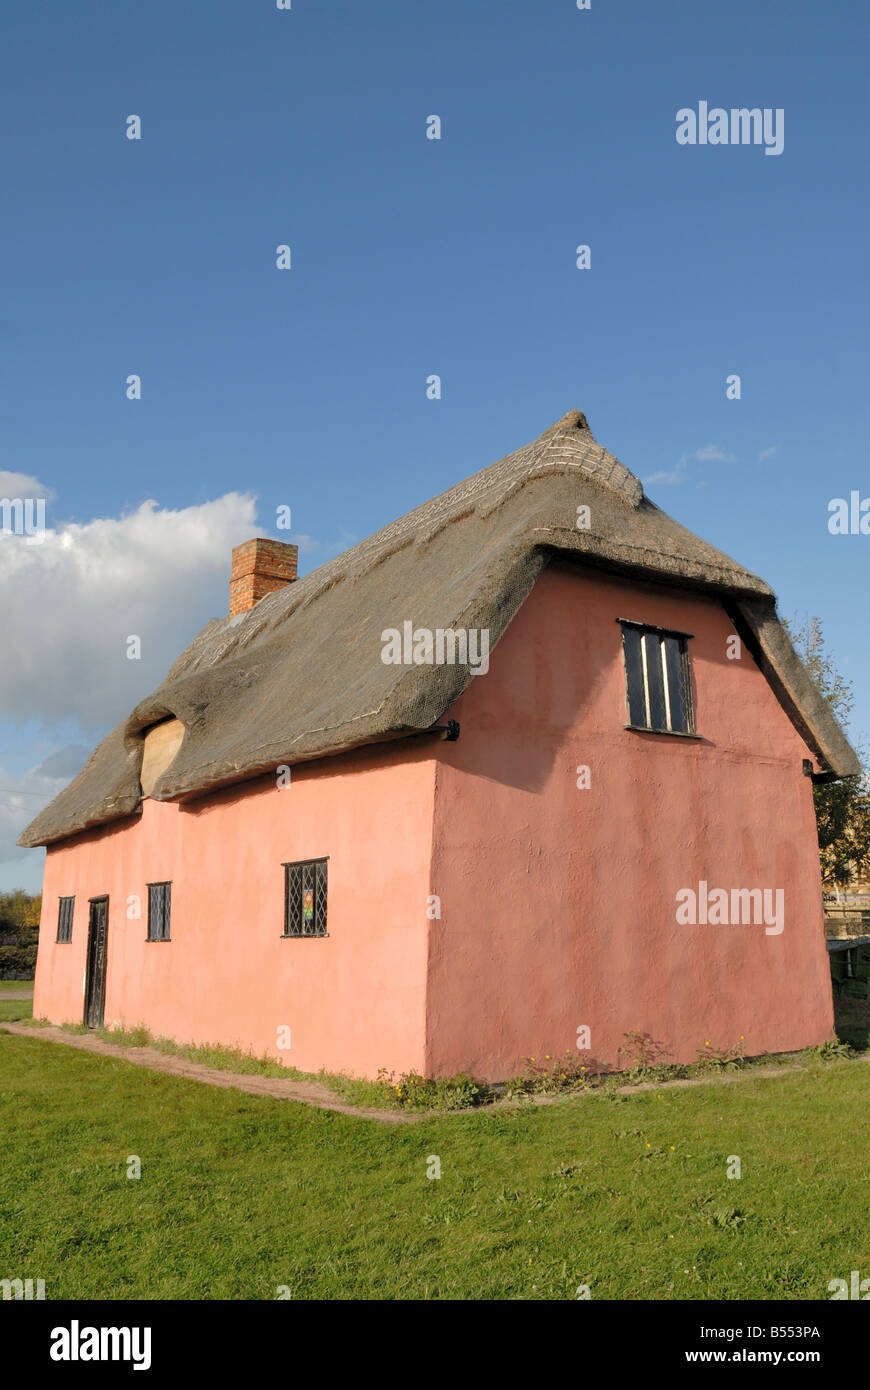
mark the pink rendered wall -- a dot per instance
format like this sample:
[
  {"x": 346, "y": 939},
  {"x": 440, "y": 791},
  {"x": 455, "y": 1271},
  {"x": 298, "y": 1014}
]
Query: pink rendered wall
[
  {"x": 353, "y": 1001},
  {"x": 558, "y": 904}
]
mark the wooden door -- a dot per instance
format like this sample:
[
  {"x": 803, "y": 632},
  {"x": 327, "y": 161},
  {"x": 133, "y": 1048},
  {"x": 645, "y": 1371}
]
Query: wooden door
[{"x": 95, "y": 979}]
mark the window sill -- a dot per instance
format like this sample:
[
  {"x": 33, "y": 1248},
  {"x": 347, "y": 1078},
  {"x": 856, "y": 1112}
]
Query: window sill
[
  {"x": 158, "y": 941},
  {"x": 304, "y": 936},
  {"x": 662, "y": 733}
]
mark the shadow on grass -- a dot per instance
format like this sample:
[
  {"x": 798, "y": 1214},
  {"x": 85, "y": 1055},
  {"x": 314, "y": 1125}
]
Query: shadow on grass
[{"x": 852, "y": 1021}]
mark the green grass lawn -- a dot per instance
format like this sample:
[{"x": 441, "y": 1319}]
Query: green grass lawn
[
  {"x": 240, "y": 1195},
  {"x": 11, "y": 1010}
]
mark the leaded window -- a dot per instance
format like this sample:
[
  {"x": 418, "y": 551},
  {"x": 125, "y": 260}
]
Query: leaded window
[
  {"x": 305, "y": 898},
  {"x": 159, "y": 895}
]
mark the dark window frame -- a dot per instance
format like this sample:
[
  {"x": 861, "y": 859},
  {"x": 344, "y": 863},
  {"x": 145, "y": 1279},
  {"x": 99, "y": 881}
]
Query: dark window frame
[
  {"x": 661, "y": 687},
  {"x": 164, "y": 922},
  {"x": 295, "y": 873},
  {"x": 64, "y": 926}
]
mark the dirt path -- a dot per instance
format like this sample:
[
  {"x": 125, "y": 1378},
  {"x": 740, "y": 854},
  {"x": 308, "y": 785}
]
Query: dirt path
[
  {"x": 15, "y": 994},
  {"x": 312, "y": 1093},
  {"x": 309, "y": 1092}
]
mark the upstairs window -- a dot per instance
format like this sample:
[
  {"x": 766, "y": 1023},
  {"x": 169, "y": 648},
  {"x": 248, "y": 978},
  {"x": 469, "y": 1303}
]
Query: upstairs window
[
  {"x": 305, "y": 898},
  {"x": 158, "y": 911},
  {"x": 657, "y": 684},
  {"x": 65, "y": 919}
]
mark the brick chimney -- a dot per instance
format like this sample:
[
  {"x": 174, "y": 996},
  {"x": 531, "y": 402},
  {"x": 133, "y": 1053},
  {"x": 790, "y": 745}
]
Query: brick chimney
[{"x": 260, "y": 567}]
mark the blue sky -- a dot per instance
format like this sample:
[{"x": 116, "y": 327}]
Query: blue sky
[{"x": 411, "y": 256}]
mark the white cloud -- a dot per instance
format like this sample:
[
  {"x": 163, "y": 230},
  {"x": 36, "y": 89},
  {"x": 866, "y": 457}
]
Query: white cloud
[
  {"x": 708, "y": 453},
  {"x": 72, "y": 601},
  {"x": 711, "y": 453},
  {"x": 70, "y": 604},
  {"x": 22, "y": 796},
  {"x": 769, "y": 453},
  {"x": 22, "y": 485}
]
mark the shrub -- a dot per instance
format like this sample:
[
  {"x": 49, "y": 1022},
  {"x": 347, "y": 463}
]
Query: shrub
[{"x": 17, "y": 962}]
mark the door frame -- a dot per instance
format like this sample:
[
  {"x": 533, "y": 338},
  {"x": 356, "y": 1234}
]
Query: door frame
[{"x": 92, "y": 980}]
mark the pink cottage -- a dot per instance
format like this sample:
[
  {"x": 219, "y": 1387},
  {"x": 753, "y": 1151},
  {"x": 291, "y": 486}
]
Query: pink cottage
[{"x": 529, "y": 769}]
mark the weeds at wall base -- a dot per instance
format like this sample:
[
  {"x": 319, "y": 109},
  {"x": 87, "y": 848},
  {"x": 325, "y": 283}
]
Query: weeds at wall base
[{"x": 548, "y": 1076}]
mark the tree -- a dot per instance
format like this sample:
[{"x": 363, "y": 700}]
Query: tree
[
  {"x": 842, "y": 808},
  {"x": 19, "y": 930}
]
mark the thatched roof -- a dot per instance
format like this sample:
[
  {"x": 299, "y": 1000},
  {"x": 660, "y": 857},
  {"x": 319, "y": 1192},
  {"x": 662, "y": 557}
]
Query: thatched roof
[{"x": 300, "y": 676}]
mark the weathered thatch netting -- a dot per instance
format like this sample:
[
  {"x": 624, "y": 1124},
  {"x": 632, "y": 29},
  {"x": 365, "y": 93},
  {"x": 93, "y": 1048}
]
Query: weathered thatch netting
[{"x": 300, "y": 676}]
